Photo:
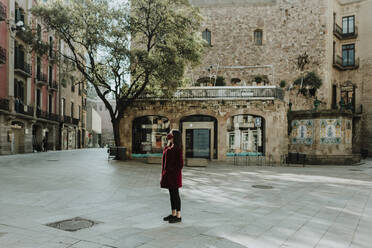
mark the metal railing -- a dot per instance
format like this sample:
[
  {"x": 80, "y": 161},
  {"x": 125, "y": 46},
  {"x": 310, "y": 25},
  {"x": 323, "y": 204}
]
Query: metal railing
[
  {"x": 75, "y": 121},
  {"x": 24, "y": 67},
  {"x": 339, "y": 33},
  {"x": 341, "y": 64},
  {"x": 53, "y": 85},
  {"x": 2, "y": 55},
  {"x": 4, "y": 104},
  {"x": 66, "y": 119},
  {"x": 47, "y": 116},
  {"x": 21, "y": 108},
  {"x": 41, "y": 77},
  {"x": 224, "y": 93}
]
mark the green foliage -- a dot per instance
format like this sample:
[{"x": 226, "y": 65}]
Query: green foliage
[
  {"x": 311, "y": 82},
  {"x": 261, "y": 79},
  {"x": 126, "y": 50},
  {"x": 258, "y": 79},
  {"x": 220, "y": 81},
  {"x": 282, "y": 84},
  {"x": 235, "y": 80}
]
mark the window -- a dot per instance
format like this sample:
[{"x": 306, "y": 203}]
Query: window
[
  {"x": 258, "y": 37},
  {"x": 38, "y": 99},
  {"x": 348, "y": 25},
  {"x": 50, "y": 46},
  {"x": 334, "y": 96},
  {"x": 50, "y": 103},
  {"x": 38, "y": 69},
  {"x": 19, "y": 91},
  {"x": 72, "y": 110},
  {"x": 50, "y": 75},
  {"x": 79, "y": 112},
  {"x": 63, "y": 105},
  {"x": 348, "y": 55},
  {"x": 38, "y": 32},
  {"x": 72, "y": 84},
  {"x": 231, "y": 141},
  {"x": 206, "y": 35}
]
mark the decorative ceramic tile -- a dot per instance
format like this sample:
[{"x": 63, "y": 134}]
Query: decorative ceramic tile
[
  {"x": 302, "y": 132},
  {"x": 348, "y": 132},
  {"x": 330, "y": 131}
]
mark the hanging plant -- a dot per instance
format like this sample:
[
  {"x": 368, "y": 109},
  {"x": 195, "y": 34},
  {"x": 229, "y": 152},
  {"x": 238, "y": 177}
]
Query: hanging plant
[
  {"x": 282, "y": 84},
  {"x": 220, "y": 81},
  {"x": 309, "y": 84}
]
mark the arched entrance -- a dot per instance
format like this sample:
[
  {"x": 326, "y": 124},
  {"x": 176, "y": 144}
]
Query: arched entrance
[
  {"x": 199, "y": 134},
  {"x": 149, "y": 135},
  {"x": 246, "y": 135},
  {"x": 37, "y": 138},
  {"x": 18, "y": 137}
]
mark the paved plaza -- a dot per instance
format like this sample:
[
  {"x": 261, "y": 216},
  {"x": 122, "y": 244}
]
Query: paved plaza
[{"x": 315, "y": 206}]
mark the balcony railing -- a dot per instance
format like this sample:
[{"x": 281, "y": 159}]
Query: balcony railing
[
  {"x": 46, "y": 115},
  {"x": 53, "y": 85},
  {"x": 2, "y": 55},
  {"x": 75, "y": 121},
  {"x": 4, "y": 104},
  {"x": 224, "y": 93},
  {"x": 66, "y": 119},
  {"x": 338, "y": 32},
  {"x": 41, "y": 78},
  {"x": 23, "y": 68},
  {"x": 21, "y": 108},
  {"x": 2, "y": 12},
  {"x": 344, "y": 65},
  {"x": 53, "y": 56}
]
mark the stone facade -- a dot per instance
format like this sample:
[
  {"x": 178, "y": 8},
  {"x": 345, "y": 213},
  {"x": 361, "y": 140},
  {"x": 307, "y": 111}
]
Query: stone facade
[
  {"x": 273, "y": 112},
  {"x": 250, "y": 38}
]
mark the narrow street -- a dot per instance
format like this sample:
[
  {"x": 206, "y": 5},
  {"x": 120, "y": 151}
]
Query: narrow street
[{"x": 315, "y": 206}]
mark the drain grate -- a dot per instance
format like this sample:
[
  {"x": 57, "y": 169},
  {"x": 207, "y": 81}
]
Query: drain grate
[
  {"x": 73, "y": 225},
  {"x": 355, "y": 170},
  {"x": 262, "y": 187},
  {"x": 52, "y": 160}
]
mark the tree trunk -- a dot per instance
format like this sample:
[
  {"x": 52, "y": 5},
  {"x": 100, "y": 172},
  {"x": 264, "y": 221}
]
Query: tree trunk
[{"x": 116, "y": 129}]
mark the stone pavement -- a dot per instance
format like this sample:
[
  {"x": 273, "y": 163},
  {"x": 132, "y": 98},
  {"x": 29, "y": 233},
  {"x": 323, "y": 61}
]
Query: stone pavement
[{"x": 314, "y": 206}]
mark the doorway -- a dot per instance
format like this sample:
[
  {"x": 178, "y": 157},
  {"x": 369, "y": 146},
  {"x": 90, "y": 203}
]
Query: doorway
[{"x": 198, "y": 143}]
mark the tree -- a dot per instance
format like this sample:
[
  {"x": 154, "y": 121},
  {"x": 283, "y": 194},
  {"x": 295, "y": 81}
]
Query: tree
[
  {"x": 309, "y": 84},
  {"x": 128, "y": 50}
]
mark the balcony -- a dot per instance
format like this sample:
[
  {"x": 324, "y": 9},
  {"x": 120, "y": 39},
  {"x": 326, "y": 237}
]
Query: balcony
[
  {"x": 21, "y": 108},
  {"x": 2, "y": 55},
  {"x": 224, "y": 93},
  {"x": 53, "y": 56},
  {"x": 41, "y": 79},
  {"x": 67, "y": 119},
  {"x": 342, "y": 65},
  {"x": 4, "y": 104},
  {"x": 75, "y": 121},
  {"x": 47, "y": 116},
  {"x": 338, "y": 32},
  {"x": 2, "y": 12},
  {"x": 53, "y": 86},
  {"x": 22, "y": 68}
]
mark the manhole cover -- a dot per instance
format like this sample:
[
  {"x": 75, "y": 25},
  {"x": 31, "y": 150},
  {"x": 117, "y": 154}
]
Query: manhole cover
[
  {"x": 355, "y": 170},
  {"x": 262, "y": 186},
  {"x": 73, "y": 225}
]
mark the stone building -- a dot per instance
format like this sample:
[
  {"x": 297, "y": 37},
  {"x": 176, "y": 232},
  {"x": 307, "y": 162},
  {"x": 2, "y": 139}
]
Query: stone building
[
  {"x": 256, "y": 47},
  {"x": 30, "y": 85}
]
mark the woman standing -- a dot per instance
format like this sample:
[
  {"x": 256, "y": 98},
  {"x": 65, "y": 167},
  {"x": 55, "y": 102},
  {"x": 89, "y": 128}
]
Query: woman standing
[{"x": 171, "y": 174}]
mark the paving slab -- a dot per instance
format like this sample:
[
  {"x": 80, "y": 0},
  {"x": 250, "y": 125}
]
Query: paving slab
[{"x": 312, "y": 206}]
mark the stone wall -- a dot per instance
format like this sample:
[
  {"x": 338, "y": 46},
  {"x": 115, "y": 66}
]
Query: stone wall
[
  {"x": 274, "y": 113},
  {"x": 290, "y": 28}
]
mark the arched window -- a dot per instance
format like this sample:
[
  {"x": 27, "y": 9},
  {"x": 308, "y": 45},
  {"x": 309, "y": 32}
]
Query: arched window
[
  {"x": 207, "y": 36},
  {"x": 258, "y": 37},
  {"x": 246, "y": 135},
  {"x": 149, "y": 135}
]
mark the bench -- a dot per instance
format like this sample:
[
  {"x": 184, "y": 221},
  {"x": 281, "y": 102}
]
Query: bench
[{"x": 117, "y": 152}]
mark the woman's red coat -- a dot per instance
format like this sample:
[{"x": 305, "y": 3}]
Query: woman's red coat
[{"x": 172, "y": 164}]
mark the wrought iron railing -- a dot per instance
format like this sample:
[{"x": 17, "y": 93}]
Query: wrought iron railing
[
  {"x": 23, "y": 66},
  {"x": 41, "y": 77},
  {"x": 342, "y": 64},
  {"x": 339, "y": 33},
  {"x": 75, "y": 121},
  {"x": 66, "y": 119},
  {"x": 47, "y": 116},
  {"x": 2, "y": 55},
  {"x": 53, "y": 85},
  {"x": 224, "y": 93},
  {"x": 4, "y": 104},
  {"x": 21, "y": 108}
]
